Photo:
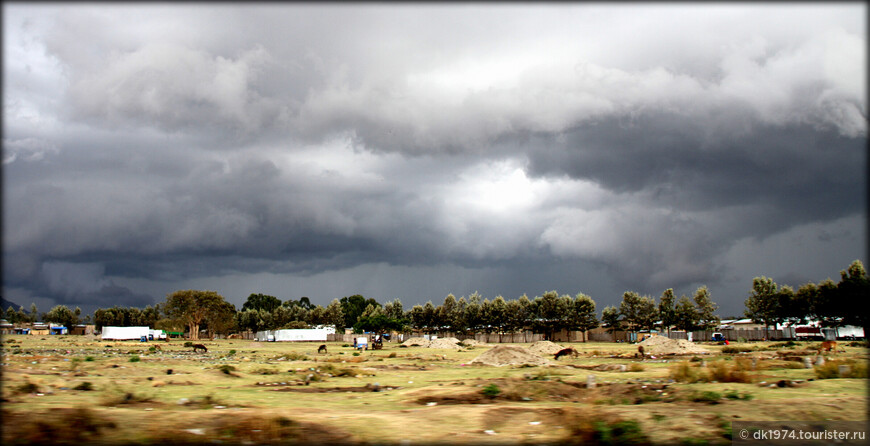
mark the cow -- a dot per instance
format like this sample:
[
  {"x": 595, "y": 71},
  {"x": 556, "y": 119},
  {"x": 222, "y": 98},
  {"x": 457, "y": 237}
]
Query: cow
[
  {"x": 828, "y": 346},
  {"x": 565, "y": 352},
  {"x": 321, "y": 349},
  {"x": 199, "y": 347},
  {"x": 640, "y": 350}
]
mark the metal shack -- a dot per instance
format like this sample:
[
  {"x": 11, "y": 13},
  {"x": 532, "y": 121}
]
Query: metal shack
[
  {"x": 307, "y": 334},
  {"x": 125, "y": 333}
]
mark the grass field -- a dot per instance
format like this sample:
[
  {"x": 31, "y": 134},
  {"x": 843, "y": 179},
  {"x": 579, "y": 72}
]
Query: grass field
[{"x": 75, "y": 389}]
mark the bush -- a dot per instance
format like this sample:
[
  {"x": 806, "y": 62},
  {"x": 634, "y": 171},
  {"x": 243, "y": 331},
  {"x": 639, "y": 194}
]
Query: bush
[
  {"x": 707, "y": 396},
  {"x": 392, "y": 355},
  {"x": 86, "y": 386},
  {"x": 226, "y": 369},
  {"x": 134, "y": 358},
  {"x": 724, "y": 372},
  {"x": 356, "y": 353},
  {"x": 490, "y": 391},
  {"x": 831, "y": 370},
  {"x": 636, "y": 367},
  {"x": 27, "y": 387},
  {"x": 734, "y": 395},
  {"x": 231, "y": 353},
  {"x": 619, "y": 432},
  {"x": 89, "y": 359},
  {"x": 731, "y": 349},
  {"x": 188, "y": 344},
  {"x": 685, "y": 373}
]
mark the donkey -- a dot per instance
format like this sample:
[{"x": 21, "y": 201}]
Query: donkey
[
  {"x": 321, "y": 349},
  {"x": 565, "y": 352},
  {"x": 199, "y": 347}
]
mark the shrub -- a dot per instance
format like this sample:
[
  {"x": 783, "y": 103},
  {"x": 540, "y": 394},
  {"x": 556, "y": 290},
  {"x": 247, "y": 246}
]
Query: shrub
[
  {"x": 27, "y": 387},
  {"x": 685, "y": 373},
  {"x": 831, "y": 369},
  {"x": 619, "y": 432},
  {"x": 724, "y": 372},
  {"x": 89, "y": 359},
  {"x": 152, "y": 349},
  {"x": 707, "y": 396},
  {"x": 231, "y": 353},
  {"x": 732, "y": 349},
  {"x": 226, "y": 369},
  {"x": 188, "y": 344},
  {"x": 392, "y": 355},
  {"x": 734, "y": 395},
  {"x": 490, "y": 391},
  {"x": 86, "y": 386},
  {"x": 134, "y": 358},
  {"x": 636, "y": 367},
  {"x": 356, "y": 353}
]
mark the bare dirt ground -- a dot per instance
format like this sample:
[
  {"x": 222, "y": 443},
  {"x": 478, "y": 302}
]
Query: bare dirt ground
[{"x": 68, "y": 389}]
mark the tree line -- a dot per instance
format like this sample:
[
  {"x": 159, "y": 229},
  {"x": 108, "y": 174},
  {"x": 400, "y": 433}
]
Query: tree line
[{"x": 835, "y": 304}]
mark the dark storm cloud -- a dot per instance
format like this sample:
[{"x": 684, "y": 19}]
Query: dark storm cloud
[{"x": 202, "y": 142}]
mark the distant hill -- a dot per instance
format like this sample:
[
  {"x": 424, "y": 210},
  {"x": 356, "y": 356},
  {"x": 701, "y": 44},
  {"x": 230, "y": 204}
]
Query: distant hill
[{"x": 4, "y": 304}]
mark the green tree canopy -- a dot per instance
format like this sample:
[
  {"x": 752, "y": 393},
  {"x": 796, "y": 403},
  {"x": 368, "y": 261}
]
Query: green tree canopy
[
  {"x": 260, "y": 301},
  {"x": 192, "y": 307}
]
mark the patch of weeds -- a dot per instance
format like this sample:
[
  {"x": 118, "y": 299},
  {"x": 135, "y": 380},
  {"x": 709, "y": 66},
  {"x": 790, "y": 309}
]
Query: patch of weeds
[
  {"x": 685, "y": 373},
  {"x": 121, "y": 397},
  {"x": 27, "y": 387},
  {"x": 227, "y": 369},
  {"x": 621, "y": 432},
  {"x": 636, "y": 367},
  {"x": 732, "y": 349},
  {"x": 264, "y": 371},
  {"x": 134, "y": 358},
  {"x": 734, "y": 395},
  {"x": 706, "y": 396},
  {"x": 231, "y": 352},
  {"x": 336, "y": 371},
  {"x": 657, "y": 417},
  {"x": 694, "y": 442},
  {"x": 490, "y": 391},
  {"x": 345, "y": 345},
  {"x": 730, "y": 373},
  {"x": 831, "y": 369},
  {"x": 696, "y": 359},
  {"x": 356, "y": 353},
  {"x": 188, "y": 344},
  {"x": 392, "y": 355},
  {"x": 541, "y": 375},
  {"x": 152, "y": 349},
  {"x": 89, "y": 359},
  {"x": 85, "y": 386},
  {"x": 291, "y": 356}
]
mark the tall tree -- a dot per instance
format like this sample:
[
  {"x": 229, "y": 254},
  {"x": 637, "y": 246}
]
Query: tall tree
[
  {"x": 611, "y": 318},
  {"x": 394, "y": 309},
  {"x": 706, "y": 308},
  {"x": 762, "y": 306},
  {"x": 61, "y": 314},
  {"x": 666, "y": 309},
  {"x": 582, "y": 314},
  {"x": 639, "y": 311},
  {"x": 192, "y": 307},
  {"x": 685, "y": 315},
  {"x": 34, "y": 313},
  {"x": 447, "y": 312},
  {"x": 220, "y": 318},
  {"x": 352, "y": 307},
  {"x": 852, "y": 294},
  {"x": 260, "y": 301},
  {"x": 335, "y": 315}
]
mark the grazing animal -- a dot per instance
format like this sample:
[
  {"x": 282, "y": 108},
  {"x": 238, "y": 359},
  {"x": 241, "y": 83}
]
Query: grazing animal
[
  {"x": 828, "y": 346},
  {"x": 199, "y": 347},
  {"x": 321, "y": 349},
  {"x": 640, "y": 350},
  {"x": 565, "y": 352}
]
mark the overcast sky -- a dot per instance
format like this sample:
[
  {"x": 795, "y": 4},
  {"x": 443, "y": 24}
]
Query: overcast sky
[{"x": 411, "y": 151}]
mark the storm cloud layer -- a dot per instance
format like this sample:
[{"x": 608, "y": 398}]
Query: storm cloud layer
[{"x": 415, "y": 150}]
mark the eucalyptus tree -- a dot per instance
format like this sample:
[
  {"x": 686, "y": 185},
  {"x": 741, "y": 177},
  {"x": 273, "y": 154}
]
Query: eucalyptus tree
[
  {"x": 685, "y": 315},
  {"x": 706, "y": 309},
  {"x": 191, "y": 306},
  {"x": 762, "y": 306},
  {"x": 611, "y": 318},
  {"x": 639, "y": 311},
  {"x": 582, "y": 314},
  {"x": 667, "y": 313}
]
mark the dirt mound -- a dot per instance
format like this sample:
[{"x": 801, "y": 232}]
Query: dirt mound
[
  {"x": 445, "y": 343},
  {"x": 661, "y": 345},
  {"x": 422, "y": 342},
  {"x": 474, "y": 343},
  {"x": 545, "y": 348},
  {"x": 509, "y": 355}
]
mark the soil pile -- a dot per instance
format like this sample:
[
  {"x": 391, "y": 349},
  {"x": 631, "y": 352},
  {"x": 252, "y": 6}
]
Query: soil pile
[
  {"x": 509, "y": 355},
  {"x": 473, "y": 343},
  {"x": 445, "y": 343},
  {"x": 422, "y": 342},
  {"x": 545, "y": 348},
  {"x": 661, "y": 345}
]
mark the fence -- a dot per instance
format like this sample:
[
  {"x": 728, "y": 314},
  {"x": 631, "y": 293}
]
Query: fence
[
  {"x": 737, "y": 334},
  {"x": 488, "y": 338}
]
